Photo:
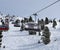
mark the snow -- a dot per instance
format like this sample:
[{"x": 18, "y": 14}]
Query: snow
[{"x": 14, "y": 39}]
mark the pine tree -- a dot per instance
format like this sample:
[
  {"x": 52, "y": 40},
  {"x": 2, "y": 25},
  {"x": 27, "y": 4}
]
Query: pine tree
[
  {"x": 46, "y": 21},
  {"x": 46, "y": 35},
  {"x": 30, "y": 19},
  {"x": 59, "y": 20},
  {"x": 54, "y": 23},
  {"x": 42, "y": 24},
  {"x": 17, "y": 21},
  {"x": 26, "y": 19},
  {"x": 22, "y": 21},
  {"x": 2, "y": 22},
  {"x": 22, "y": 25},
  {"x": 39, "y": 27}
]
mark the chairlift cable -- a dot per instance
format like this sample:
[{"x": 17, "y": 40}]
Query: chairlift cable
[{"x": 45, "y": 7}]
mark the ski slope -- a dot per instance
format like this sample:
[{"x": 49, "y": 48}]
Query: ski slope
[{"x": 14, "y": 39}]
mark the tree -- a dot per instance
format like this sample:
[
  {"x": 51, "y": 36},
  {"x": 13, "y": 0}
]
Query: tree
[
  {"x": 25, "y": 19},
  {"x": 17, "y": 21},
  {"x": 46, "y": 35},
  {"x": 22, "y": 27},
  {"x": 22, "y": 21},
  {"x": 39, "y": 27},
  {"x": 2, "y": 22},
  {"x": 30, "y": 19},
  {"x": 42, "y": 24},
  {"x": 59, "y": 20},
  {"x": 54, "y": 23},
  {"x": 46, "y": 21}
]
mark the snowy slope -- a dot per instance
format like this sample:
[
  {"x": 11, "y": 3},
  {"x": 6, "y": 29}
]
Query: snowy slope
[{"x": 14, "y": 39}]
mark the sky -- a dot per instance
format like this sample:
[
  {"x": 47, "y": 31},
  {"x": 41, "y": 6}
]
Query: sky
[{"x": 24, "y": 8}]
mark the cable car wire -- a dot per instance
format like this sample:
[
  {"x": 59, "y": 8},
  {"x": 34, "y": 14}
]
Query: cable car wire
[{"x": 45, "y": 8}]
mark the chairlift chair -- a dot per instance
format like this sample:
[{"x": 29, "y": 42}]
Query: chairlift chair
[{"x": 31, "y": 27}]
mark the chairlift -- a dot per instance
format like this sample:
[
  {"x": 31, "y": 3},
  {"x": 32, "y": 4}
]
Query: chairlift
[{"x": 32, "y": 27}]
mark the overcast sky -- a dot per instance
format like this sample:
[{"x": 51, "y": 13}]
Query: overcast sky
[{"x": 27, "y": 7}]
